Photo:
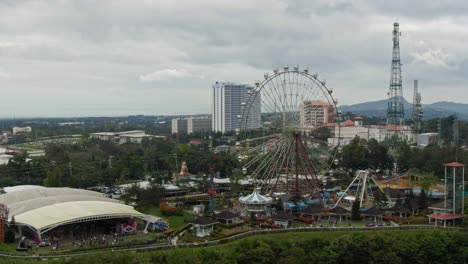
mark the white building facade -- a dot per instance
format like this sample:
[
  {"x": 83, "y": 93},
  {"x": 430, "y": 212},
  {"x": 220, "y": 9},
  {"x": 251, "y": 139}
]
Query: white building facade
[
  {"x": 199, "y": 124},
  {"x": 135, "y": 136},
  {"x": 17, "y": 130},
  {"x": 316, "y": 113},
  {"x": 179, "y": 125},
  {"x": 191, "y": 125},
  {"x": 229, "y": 102}
]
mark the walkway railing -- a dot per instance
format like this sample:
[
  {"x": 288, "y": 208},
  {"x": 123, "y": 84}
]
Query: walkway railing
[{"x": 233, "y": 238}]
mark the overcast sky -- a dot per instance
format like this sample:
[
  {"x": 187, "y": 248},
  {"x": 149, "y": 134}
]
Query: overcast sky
[{"x": 96, "y": 58}]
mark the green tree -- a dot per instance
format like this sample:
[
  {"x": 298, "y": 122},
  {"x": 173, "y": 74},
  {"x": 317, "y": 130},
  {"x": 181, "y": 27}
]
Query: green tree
[
  {"x": 322, "y": 133},
  {"x": 356, "y": 210},
  {"x": 53, "y": 178},
  {"x": 422, "y": 200},
  {"x": 354, "y": 155}
]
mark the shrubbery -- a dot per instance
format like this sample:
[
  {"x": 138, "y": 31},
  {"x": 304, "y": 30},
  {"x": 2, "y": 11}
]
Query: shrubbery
[
  {"x": 407, "y": 246},
  {"x": 170, "y": 210}
]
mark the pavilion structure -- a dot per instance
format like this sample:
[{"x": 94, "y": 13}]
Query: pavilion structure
[
  {"x": 256, "y": 203},
  {"x": 452, "y": 211},
  {"x": 339, "y": 213},
  {"x": 398, "y": 210},
  {"x": 203, "y": 226},
  {"x": 283, "y": 219},
  {"x": 227, "y": 217},
  {"x": 311, "y": 214},
  {"x": 373, "y": 212}
]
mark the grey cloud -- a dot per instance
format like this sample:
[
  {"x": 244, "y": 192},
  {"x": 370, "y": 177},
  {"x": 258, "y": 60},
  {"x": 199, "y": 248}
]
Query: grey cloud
[{"x": 106, "y": 57}]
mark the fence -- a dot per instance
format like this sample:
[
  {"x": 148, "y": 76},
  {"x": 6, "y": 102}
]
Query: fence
[{"x": 236, "y": 237}]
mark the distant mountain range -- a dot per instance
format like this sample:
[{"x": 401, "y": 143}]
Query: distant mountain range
[{"x": 434, "y": 110}]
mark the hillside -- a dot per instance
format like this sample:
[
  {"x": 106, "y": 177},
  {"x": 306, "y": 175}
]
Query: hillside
[{"x": 434, "y": 110}]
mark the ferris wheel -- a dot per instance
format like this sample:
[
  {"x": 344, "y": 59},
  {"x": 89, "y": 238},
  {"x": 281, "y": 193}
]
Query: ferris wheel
[{"x": 289, "y": 132}]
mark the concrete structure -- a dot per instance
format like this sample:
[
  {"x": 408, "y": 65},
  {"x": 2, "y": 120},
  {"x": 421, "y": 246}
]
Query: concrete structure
[
  {"x": 17, "y": 130},
  {"x": 229, "y": 102},
  {"x": 315, "y": 114},
  {"x": 198, "y": 124},
  {"x": 179, "y": 125},
  {"x": 425, "y": 139},
  {"x": 455, "y": 187},
  {"x": 71, "y": 123},
  {"x": 191, "y": 125},
  {"x": 453, "y": 208},
  {"x": 135, "y": 136}
]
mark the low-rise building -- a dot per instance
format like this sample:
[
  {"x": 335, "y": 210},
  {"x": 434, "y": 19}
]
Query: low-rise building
[
  {"x": 17, "y": 130},
  {"x": 350, "y": 129},
  {"x": 191, "y": 125},
  {"x": 425, "y": 139},
  {"x": 135, "y": 136}
]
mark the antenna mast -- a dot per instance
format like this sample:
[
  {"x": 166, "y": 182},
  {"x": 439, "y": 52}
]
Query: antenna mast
[
  {"x": 417, "y": 108},
  {"x": 395, "y": 109}
]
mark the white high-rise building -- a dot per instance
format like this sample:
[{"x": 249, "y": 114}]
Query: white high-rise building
[{"x": 228, "y": 103}]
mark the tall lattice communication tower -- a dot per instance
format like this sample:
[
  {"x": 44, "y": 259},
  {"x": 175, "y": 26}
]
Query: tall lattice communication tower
[
  {"x": 417, "y": 108},
  {"x": 395, "y": 109}
]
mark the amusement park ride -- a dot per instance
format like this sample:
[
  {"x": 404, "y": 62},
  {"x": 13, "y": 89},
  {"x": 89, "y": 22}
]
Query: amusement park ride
[
  {"x": 364, "y": 187},
  {"x": 299, "y": 113}
]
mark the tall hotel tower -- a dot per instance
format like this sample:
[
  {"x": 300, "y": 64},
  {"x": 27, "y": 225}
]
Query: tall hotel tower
[{"x": 228, "y": 103}]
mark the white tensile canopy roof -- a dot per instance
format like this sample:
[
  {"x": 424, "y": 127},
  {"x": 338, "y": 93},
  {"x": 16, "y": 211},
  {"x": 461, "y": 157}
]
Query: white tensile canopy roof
[
  {"x": 18, "y": 188},
  {"x": 43, "y": 209},
  {"x": 72, "y": 212},
  {"x": 34, "y": 193},
  {"x": 28, "y": 205},
  {"x": 255, "y": 198}
]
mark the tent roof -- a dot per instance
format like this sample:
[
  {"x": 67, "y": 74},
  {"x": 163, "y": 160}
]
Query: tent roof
[
  {"x": 255, "y": 198},
  {"x": 454, "y": 164},
  {"x": 35, "y": 193},
  {"x": 10, "y": 189},
  {"x": 65, "y": 213},
  {"x": 445, "y": 216},
  {"x": 28, "y": 205}
]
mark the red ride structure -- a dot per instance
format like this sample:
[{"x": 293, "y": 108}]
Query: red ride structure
[{"x": 212, "y": 190}]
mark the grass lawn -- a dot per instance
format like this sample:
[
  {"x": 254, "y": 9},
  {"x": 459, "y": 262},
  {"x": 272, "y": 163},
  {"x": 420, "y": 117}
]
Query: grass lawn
[{"x": 235, "y": 230}]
